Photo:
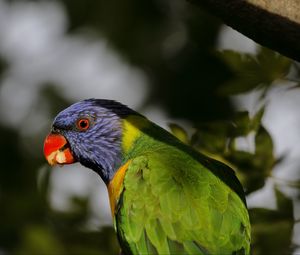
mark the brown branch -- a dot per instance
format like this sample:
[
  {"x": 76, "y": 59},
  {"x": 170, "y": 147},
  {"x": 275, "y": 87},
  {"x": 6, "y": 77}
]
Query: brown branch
[{"x": 272, "y": 23}]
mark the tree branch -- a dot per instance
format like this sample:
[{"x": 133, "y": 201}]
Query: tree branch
[{"x": 272, "y": 23}]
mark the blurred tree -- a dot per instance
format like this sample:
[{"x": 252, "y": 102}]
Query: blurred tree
[
  {"x": 272, "y": 230},
  {"x": 174, "y": 44}
]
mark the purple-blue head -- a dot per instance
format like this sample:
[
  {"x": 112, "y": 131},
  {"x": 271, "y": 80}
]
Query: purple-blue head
[{"x": 89, "y": 132}]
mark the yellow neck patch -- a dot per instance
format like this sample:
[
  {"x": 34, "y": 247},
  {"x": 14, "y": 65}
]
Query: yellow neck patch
[
  {"x": 115, "y": 186},
  {"x": 132, "y": 127}
]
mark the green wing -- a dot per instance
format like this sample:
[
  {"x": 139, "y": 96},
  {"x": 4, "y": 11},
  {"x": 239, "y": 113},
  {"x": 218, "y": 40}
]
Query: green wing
[{"x": 171, "y": 204}]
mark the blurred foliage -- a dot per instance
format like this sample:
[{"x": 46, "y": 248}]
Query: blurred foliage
[
  {"x": 272, "y": 229},
  {"x": 174, "y": 43},
  {"x": 179, "y": 132},
  {"x": 252, "y": 71},
  {"x": 50, "y": 93},
  {"x": 220, "y": 139}
]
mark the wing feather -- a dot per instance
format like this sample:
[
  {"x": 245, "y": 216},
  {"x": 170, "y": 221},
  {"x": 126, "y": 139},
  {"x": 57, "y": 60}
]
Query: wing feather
[{"x": 174, "y": 205}]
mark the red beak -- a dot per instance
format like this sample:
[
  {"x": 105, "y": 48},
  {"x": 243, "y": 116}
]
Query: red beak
[{"x": 57, "y": 150}]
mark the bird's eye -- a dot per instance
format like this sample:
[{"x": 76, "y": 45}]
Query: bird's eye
[{"x": 83, "y": 124}]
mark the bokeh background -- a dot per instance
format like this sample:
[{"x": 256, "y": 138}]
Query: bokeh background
[{"x": 181, "y": 67}]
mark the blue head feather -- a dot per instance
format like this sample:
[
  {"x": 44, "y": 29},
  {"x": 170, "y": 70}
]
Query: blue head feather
[{"x": 99, "y": 147}]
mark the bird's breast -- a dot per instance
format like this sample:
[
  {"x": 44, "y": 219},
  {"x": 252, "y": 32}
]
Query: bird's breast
[{"x": 115, "y": 186}]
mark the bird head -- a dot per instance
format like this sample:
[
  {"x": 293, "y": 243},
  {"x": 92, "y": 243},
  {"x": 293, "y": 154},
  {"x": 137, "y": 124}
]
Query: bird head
[{"x": 89, "y": 132}]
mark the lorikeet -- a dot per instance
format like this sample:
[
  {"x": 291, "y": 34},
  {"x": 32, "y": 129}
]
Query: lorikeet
[{"x": 165, "y": 197}]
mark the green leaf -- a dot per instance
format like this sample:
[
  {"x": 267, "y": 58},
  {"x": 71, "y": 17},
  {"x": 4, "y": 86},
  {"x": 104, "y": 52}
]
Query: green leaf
[
  {"x": 264, "y": 149},
  {"x": 245, "y": 71},
  {"x": 284, "y": 205},
  {"x": 39, "y": 240},
  {"x": 251, "y": 71},
  {"x": 272, "y": 230},
  {"x": 262, "y": 162},
  {"x": 179, "y": 132},
  {"x": 242, "y": 125},
  {"x": 273, "y": 65},
  {"x": 256, "y": 120},
  {"x": 217, "y": 140},
  {"x": 272, "y": 237},
  {"x": 211, "y": 137}
]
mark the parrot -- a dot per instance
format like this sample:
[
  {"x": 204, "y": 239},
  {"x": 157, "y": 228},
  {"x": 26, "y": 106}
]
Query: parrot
[{"x": 165, "y": 196}]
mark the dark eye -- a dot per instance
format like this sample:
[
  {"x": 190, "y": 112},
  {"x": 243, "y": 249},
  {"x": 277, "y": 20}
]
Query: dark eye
[{"x": 83, "y": 124}]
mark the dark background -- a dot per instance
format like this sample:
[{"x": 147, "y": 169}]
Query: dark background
[{"x": 225, "y": 95}]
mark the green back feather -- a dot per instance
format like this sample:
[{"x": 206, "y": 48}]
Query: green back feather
[
  {"x": 153, "y": 136},
  {"x": 176, "y": 201}
]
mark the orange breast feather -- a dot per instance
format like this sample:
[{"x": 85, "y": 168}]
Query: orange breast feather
[{"x": 115, "y": 186}]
